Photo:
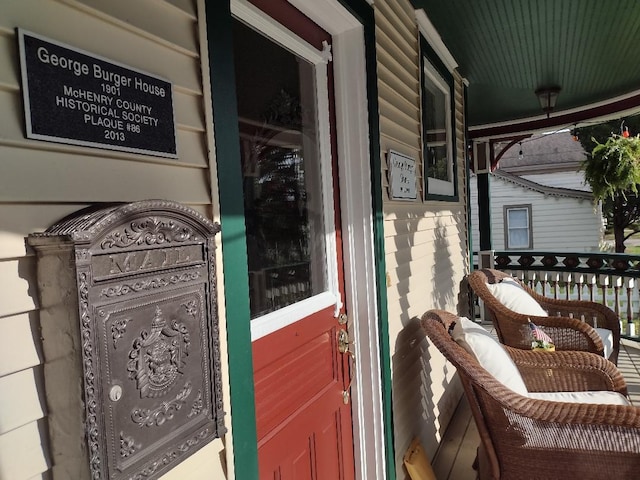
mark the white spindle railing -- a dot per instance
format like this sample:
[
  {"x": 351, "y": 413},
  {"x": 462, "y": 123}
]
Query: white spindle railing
[{"x": 619, "y": 291}]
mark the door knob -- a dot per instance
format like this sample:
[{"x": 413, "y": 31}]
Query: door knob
[{"x": 343, "y": 341}]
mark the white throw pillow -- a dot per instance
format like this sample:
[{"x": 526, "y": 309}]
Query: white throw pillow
[
  {"x": 489, "y": 353},
  {"x": 607, "y": 340},
  {"x": 510, "y": 294}
]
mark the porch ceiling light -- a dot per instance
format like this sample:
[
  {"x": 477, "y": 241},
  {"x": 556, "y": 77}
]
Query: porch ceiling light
[{"x": 548, "y": 96}]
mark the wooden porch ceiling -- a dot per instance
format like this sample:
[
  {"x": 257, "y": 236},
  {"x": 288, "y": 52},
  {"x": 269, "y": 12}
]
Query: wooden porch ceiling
[{"x": 507, "y": 49}]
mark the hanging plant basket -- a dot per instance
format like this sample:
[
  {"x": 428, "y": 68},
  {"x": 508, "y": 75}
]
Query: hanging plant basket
[{"x": 614, "y": 166}]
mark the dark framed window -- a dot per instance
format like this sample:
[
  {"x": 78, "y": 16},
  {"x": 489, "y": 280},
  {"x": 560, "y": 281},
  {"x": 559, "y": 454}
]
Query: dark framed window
[
  {"x": 438, "y": 126},
  {"x": 518, "y": 233}
]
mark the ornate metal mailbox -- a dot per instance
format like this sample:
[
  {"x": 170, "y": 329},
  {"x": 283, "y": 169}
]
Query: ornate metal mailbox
[{"x": 143, "y": 312}]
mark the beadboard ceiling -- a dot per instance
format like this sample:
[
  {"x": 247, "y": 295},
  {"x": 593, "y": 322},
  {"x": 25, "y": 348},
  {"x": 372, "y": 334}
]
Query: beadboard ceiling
[{"x": 506, "y": 49}]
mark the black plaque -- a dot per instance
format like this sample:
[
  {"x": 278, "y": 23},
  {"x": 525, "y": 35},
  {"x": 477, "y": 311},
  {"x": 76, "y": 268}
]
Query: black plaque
[{"x": 74, "y": 97}]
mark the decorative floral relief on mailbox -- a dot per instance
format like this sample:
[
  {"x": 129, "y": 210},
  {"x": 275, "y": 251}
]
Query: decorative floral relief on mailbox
[
  {"x": 157, "y": 356},
  {"x": 147, "y": 323}
]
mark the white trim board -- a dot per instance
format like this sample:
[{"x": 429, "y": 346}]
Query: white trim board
[{"x": 357, "y": 227}]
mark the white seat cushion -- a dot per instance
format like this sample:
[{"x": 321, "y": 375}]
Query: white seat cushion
[
  {"x": 607, "y": 340},
  {"x": 489, "y": 353},
  {"x": 510, "y": 294},
  {"x": 607, "y": 398}
]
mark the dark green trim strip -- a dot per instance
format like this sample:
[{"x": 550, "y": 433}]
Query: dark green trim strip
[
  {"x": 365, "y": 14},
  {"x": 484, "y": 211},
  {"x": 236, "y": 287},
  {"x": 467, "y": 163}
]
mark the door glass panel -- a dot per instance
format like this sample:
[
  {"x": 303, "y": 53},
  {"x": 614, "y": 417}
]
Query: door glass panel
[{"x": 276, "y": 98}]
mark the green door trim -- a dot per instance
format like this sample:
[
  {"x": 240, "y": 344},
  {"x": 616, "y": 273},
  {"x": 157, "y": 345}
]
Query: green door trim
[
  {"x": 233, "y": 234},
  {"x": 234, "y": 254}
]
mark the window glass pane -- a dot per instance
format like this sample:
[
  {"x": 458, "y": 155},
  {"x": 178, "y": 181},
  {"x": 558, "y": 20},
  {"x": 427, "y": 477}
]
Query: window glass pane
[
  {"x": 435, "y": 101},
  {"x": 518, "y": 218},
  {"x": 518, "y": 228},
  {"x": 280, "y": 163},
  {"x": 435, "y": 117},
  {"x": 518, "y": 238}
]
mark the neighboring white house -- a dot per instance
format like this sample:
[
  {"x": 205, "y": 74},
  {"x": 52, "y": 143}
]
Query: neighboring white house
[{"x": 539, "y": 200}]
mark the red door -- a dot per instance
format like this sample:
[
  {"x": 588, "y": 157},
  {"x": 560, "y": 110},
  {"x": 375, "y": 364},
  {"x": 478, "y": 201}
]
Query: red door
[
  {"x": 304, "y": 426},
  {"x": 286, "y": 114}
]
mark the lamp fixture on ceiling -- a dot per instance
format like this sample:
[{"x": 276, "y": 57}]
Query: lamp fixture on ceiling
[{"x": 548, "y": 96}]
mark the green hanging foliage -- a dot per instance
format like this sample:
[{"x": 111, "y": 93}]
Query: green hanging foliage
[{"x": 614, "y": 166}]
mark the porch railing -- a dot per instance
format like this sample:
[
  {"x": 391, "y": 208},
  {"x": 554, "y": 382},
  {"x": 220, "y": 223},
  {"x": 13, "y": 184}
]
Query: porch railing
[{"x": 608, "y": 278}]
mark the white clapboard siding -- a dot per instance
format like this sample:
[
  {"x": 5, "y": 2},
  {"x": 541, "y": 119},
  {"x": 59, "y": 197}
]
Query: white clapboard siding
[
  {"x": 41, "y": 476},
  {"x": 8, "y": 56},
  {"x": 398, "y": 84},
  {"x": 74, "y": 178},
  {"x": 187, "y": 6},
  {"x": 559, "y": 223},
  {"x": 425, "y": 241},
  {"x": 572, "y": 179},
  {"x": 23, "y": 452},
  {"x": 16, "y": 287},
  {"x": 20, "y": 349},
  {"x": 41, "y": 182},
  {"x": 20, "y": 399},
  {"x": 421, "y": 376},
  {"x": 473, "y": 203},
  {"x": 462, "y": 215},
  {"x": 17, "y": 220},
  {"x": 202, "y": 465},
  {"x": 87, "y": 31},
  {"x": 166, "y": 25}
]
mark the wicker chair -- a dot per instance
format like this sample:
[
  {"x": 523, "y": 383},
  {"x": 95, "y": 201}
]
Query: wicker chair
[
  {"x": 570, "y": 322},
  {"x": 524, "y": 438}
]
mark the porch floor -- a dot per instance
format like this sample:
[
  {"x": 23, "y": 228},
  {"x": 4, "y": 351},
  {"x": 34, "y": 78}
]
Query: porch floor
[{"x": 457, "y": 450}]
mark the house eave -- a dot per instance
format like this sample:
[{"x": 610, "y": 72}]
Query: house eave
[
  {"x": 600, "y": 111},
  {"x": 546, "y": 190}
]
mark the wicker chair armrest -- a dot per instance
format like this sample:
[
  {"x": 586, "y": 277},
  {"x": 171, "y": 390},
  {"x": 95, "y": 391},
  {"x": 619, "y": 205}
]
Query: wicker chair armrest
[
  {"x": 567, "y": 371},
  {"x": 442, "y": 316},
  {"x": 578, "y": 414},
  {"x": 498, "y": 399},
  {"x": 566, "y": 333}
]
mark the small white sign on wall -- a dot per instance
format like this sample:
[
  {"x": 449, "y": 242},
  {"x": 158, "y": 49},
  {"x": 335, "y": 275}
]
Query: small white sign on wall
[{"x": 402, "y": 176}]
